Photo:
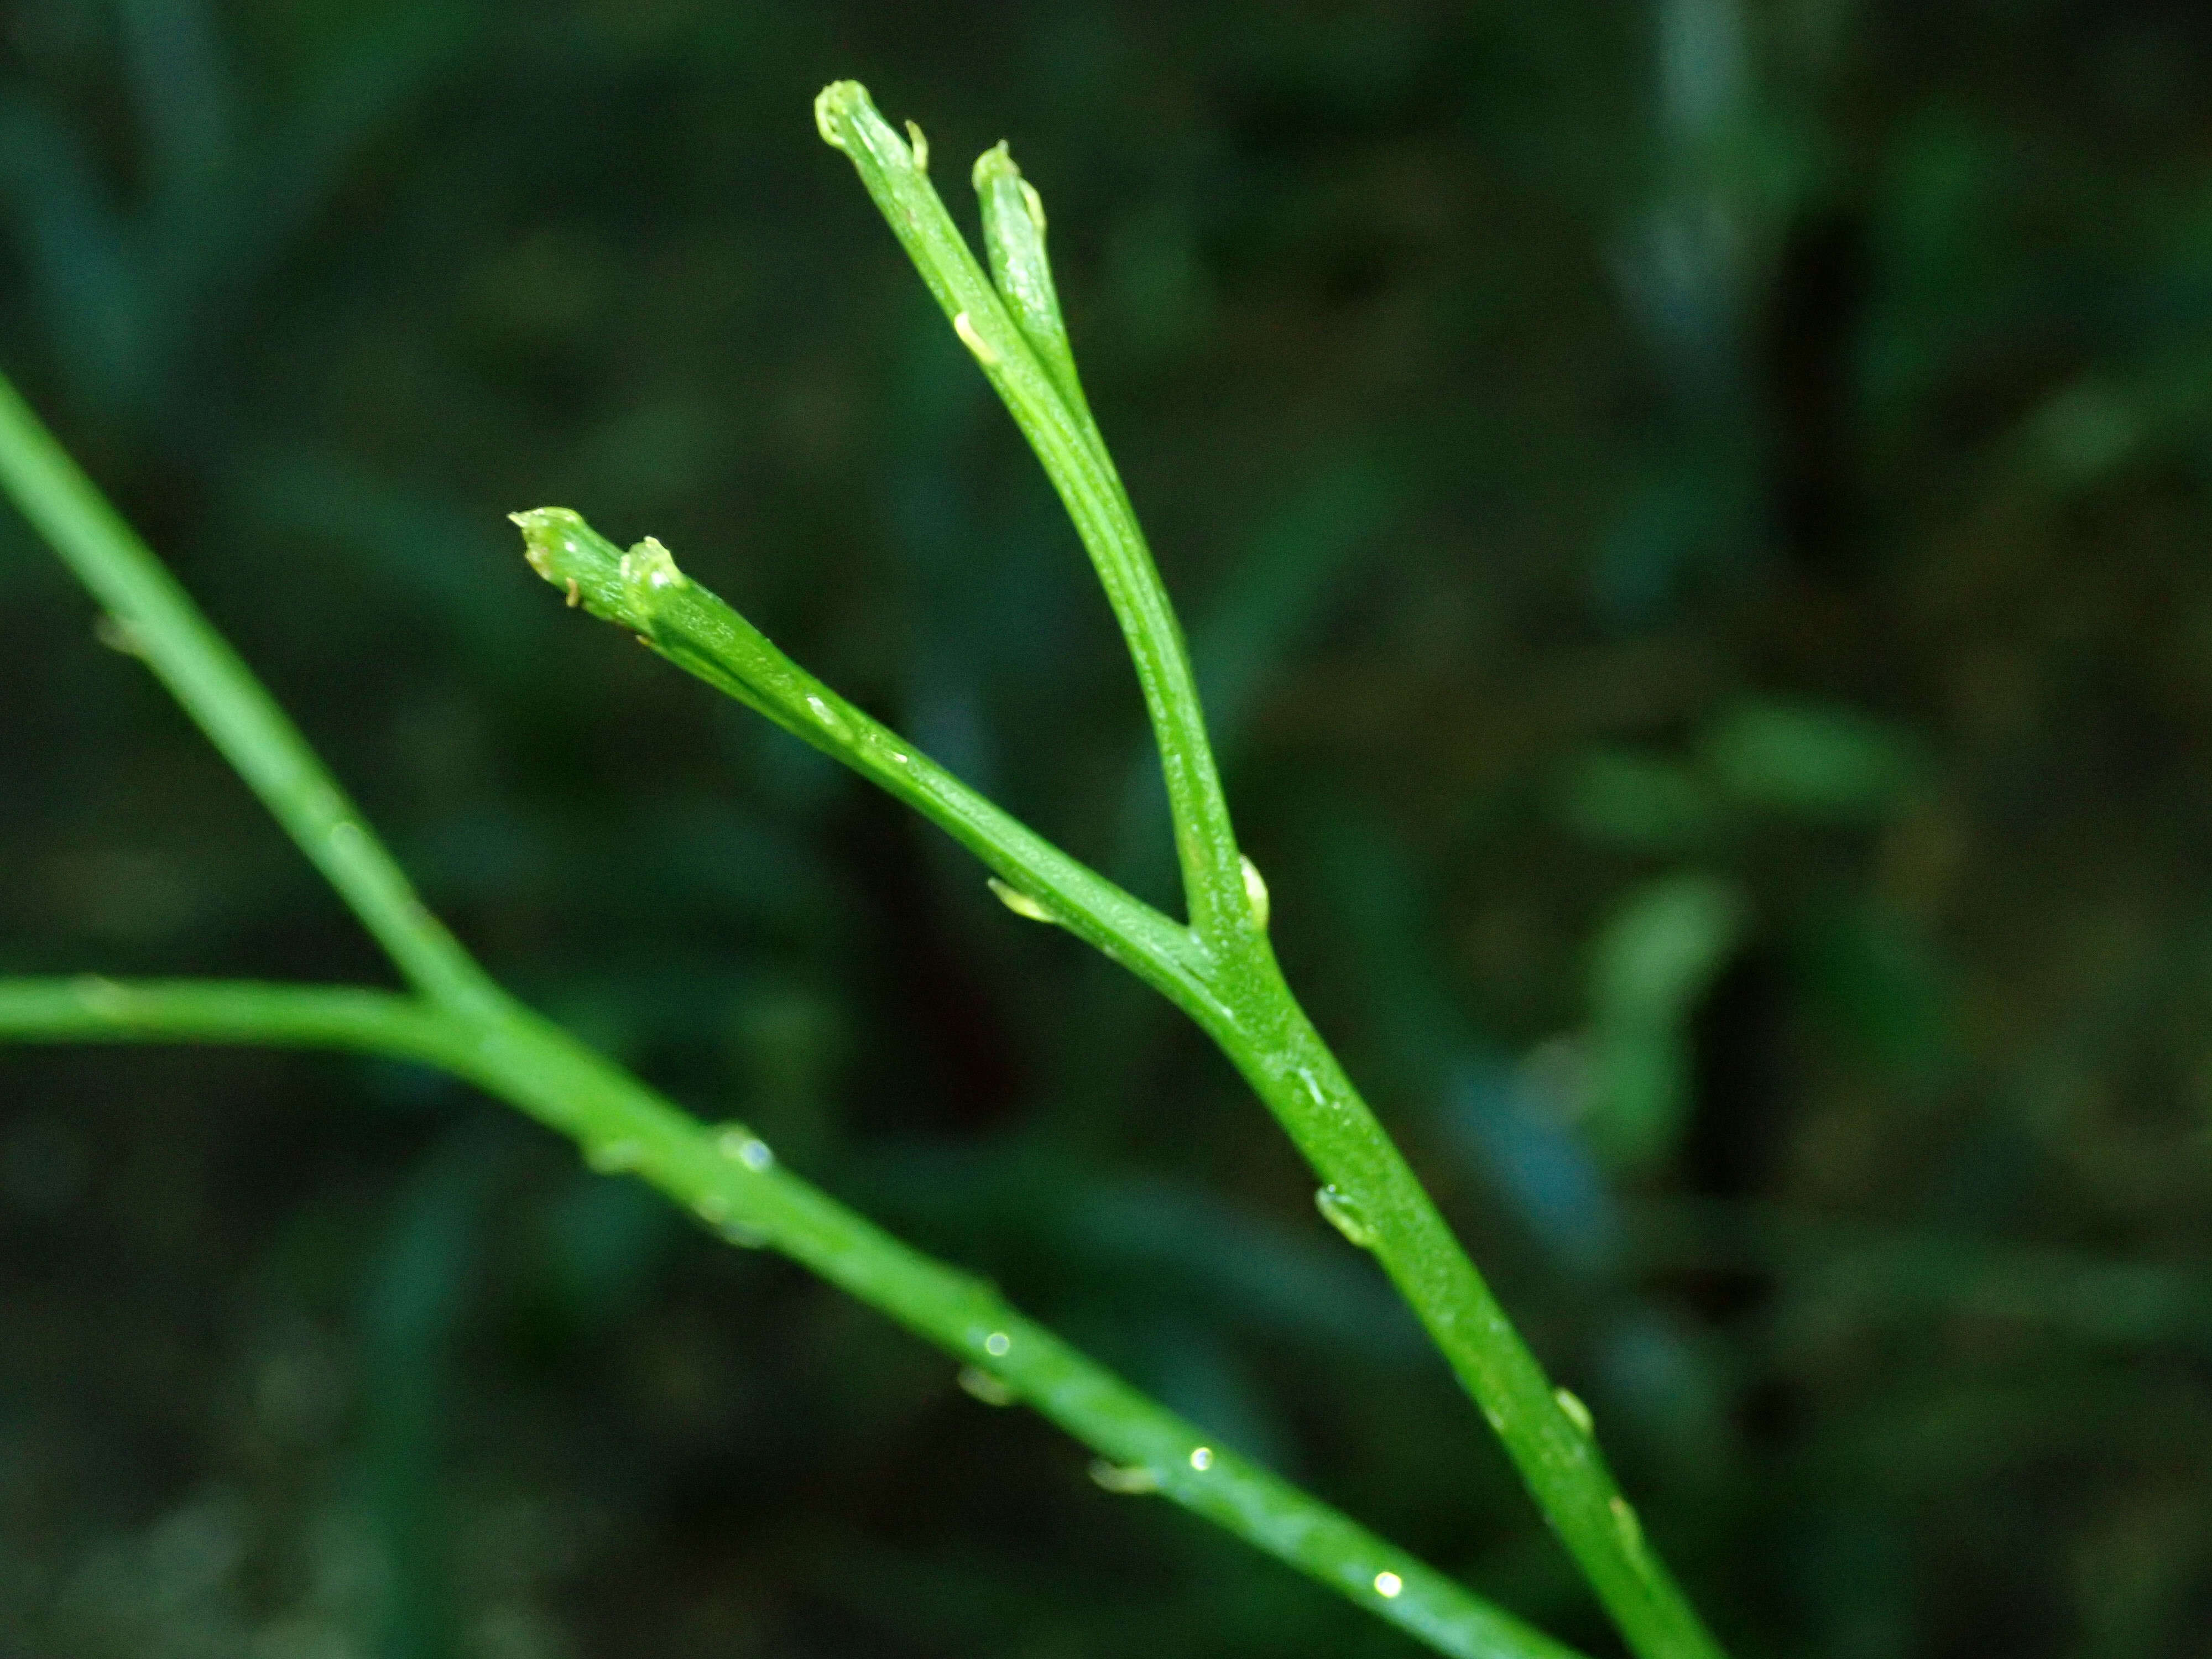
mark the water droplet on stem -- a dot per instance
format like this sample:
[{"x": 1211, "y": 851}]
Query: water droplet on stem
[
  {"x": 1572, "y": 1407},
  {"x": 965, "y": 328},
  {"x": 1019, "y": 902},
  {"x": 746, "y": 1148},
  {"x": 1124, "y": 1480},
  {"x": 831, "y": 721},
  {"x": 1624, "y": 1518},
  {"x": 1345, "y": 1215},
  {"x": 980, "y": 1384},
  {"x": 1256, "y": 892},
  {"x": 613, "y": 1156}
]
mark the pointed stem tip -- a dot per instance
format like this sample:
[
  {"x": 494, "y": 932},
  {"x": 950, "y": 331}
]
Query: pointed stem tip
[
  {"x": 1013, "y": 241},
  {"x": 848, "y": 120}
]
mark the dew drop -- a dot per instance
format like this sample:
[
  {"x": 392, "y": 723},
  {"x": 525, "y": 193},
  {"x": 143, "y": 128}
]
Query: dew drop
[
  {"x": 832, "y": 722},
  {"x": 1388, "y": 1585},
  {"x": 1571, "y": 1408},
  {"x": 613, "y": 1156},
  {"x": 1124, "y": 1480},
  {"x": 1019, "y": 902},
  {"x": 712, "y": 1208},
  {"x": 744, "y": 1238},
  {"x": 653, "y": 564},
  {"x": 965, "y": 328},
  {"x": 102, "y": 996},
  {"x": 1624, "y": 1518},
  {"x": 747, "y": 1149},
  {"x": 1345, "y": 1215},
  {"x": 1202, "y": 1458},
  {"x": 1256, "y": 892},
  {"x": 980, "y": 1384},
  {"x": 997, "y": 1344}
]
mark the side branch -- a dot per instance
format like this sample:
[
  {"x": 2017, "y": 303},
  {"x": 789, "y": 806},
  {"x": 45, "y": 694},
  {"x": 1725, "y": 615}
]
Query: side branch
[
  {"x": 159, "y": 622},
  {"x": 730, "y": 1180},
  {"x": 1014, "y": 332},
  {"x": 644, "y": 591}
]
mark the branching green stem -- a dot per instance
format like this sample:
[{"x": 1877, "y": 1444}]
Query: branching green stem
[
  {"x": 156, "y": 620},
  {"x": 1219, "y": 967},
  {"x": 465, "y": 1024},
  {"x": 643, "y": 589},
  {"x": 1240, "y": 999},
  {"x": 1039, "y": 389},
  {"x": 1222, "y": 970}
]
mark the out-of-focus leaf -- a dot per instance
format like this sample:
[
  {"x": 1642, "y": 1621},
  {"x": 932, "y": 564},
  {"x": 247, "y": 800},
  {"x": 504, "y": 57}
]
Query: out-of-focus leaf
[
  {"x": 1272, "y": 599},
  {"x": 182, "y": 82},
  {"x": 1639, "y": 802},
  {"x": 1661, "y": 949},
  {"x": 1247, "y": 633},
  {"x": 602, "y": 1239},
  {"x": 1513, "y": 1119},
  {"x": 1822, "y": 762},
  {"x": 422, "y": 1282},
  {"x": 1879, "y": 978},
  {"x": 71, "y": 236}
]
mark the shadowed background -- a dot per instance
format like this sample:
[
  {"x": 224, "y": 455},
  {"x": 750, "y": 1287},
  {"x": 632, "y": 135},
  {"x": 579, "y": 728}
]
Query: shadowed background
[{"x": 1691, "y": 517}]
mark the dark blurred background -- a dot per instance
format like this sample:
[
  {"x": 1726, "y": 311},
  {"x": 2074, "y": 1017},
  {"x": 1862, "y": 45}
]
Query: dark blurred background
[{"x": 1692, "y": 521}]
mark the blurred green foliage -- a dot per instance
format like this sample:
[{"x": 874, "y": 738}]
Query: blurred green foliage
[{"x": 1692, "y": 519}]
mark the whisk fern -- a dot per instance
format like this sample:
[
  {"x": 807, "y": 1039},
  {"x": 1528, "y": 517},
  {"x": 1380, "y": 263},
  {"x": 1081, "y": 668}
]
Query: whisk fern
[{"x": 1216, "y": 964}]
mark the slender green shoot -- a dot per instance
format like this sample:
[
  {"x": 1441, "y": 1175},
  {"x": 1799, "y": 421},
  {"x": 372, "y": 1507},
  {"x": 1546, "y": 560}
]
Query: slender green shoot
[
  {"x": 1219, "y": 967},
  {"x": 1223, "y": 971},
  {"x": 1368, "y": 1191},
  {"x": 154, "y": 619},
  {"x": 645, "y": 592},
  {"x": 724, "y": 1175},
  {"x": 729, "y": 1179},
  {"x": 1039, "y": 388}
]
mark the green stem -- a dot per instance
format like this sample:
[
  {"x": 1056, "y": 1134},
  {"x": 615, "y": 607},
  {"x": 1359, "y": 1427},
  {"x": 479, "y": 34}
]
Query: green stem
[
  {"x": 643, "y": 589},
  {"x": 92, "y": 1008},
  {"x": 1075, "y": 459},
  {"x": 1220, "y": 969},
  {"x": 1377, "y": 1201},
  {"x": 730, "y": 1180},
  {"x": 156, "y": 621},
  {"x": 1240, "y": 999},
  {"x": 1235, "y": 989},
  {"x": 726, "y": 1177}
]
